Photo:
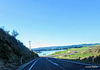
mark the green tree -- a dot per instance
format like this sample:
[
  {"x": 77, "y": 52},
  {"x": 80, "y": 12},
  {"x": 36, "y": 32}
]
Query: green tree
[{"x": 15, "y": 33}]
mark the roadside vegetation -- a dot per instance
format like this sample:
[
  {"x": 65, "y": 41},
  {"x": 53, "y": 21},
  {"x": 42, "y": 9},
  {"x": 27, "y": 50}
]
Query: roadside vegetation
[
  {"x": 84, "y": 54},
  {"x": 12, "y": 50}
]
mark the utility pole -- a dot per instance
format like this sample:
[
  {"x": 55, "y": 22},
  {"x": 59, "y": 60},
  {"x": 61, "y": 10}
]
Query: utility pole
[
  {"x": 30, "y": 45},
  {"x": 30, "y": 48}
]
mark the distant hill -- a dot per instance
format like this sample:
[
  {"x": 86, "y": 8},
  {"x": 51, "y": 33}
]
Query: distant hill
[
  {"x": 11, "y": 51},
  {"x": 63, "y": 47}
]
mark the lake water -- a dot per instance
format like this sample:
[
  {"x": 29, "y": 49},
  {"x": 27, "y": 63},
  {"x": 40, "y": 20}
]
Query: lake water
[{"x": 44, "y": 53}]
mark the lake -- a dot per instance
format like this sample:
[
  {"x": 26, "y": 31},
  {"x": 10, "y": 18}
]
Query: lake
[{"x": 44, "y": 53}]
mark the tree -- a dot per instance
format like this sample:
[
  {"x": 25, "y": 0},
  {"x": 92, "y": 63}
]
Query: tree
[
  {"x": 7, "y": 32},
  {"x": 15, "y": 33}
]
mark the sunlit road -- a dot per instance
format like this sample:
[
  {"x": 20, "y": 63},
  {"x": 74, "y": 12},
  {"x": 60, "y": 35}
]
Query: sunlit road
[{"x": 45, "y": 63}]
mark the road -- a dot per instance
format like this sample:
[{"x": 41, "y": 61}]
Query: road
[{"x": 46, "y": 63}]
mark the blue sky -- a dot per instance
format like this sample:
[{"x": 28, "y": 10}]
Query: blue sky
[{"x": 52, "y": 22}]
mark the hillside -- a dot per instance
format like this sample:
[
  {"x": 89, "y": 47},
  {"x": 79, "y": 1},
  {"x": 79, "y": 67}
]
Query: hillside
[
  {"x": 12, "y": 50},
  {"x": 83, "y": 54},
  {"x": 95, "y": 51}
]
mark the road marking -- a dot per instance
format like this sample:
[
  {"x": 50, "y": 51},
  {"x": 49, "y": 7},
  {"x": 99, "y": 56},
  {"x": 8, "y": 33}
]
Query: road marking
[
  {"x": 55, "y": 64},
  {"x": 33, "y": 64},
  {"x": 23, "y": 66}
]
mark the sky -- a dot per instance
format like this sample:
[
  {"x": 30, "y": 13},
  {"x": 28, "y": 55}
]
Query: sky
[{"x": 52, "y": 22}]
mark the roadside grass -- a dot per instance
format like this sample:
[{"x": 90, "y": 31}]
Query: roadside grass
[
  {"x": 78, "y": 55},
  {"x": 74, "y": 56}
]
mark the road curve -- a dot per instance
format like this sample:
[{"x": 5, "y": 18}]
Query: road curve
[{"x": 45, "y": 63}]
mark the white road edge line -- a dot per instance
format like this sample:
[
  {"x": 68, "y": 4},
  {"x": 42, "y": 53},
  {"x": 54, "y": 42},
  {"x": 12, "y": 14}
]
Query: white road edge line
[
  {"x": 23, "y": 66},
  {"x": 55, "y": 64},
  {"x": 33, "y": 64}
]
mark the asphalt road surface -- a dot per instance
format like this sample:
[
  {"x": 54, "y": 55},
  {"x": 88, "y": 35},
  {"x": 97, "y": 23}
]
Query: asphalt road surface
[{"x": 45, "y": 63}]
